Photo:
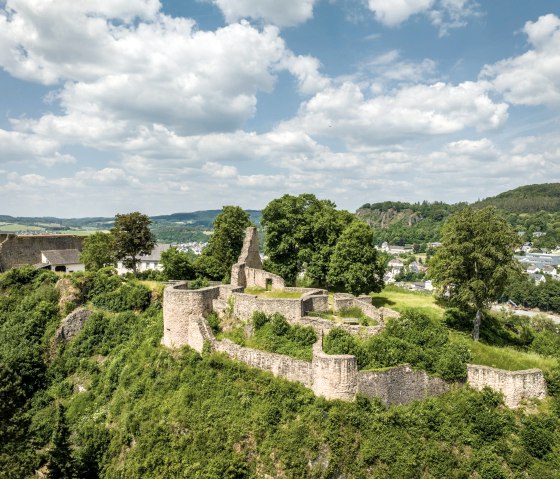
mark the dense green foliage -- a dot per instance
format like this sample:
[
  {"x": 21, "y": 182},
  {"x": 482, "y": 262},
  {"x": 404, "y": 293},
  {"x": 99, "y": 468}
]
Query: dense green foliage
[
  {"x": 414, "y": 338},
  {"x": 355, "y": 266},
  {"x": 274, "y": 334},
  {"x": 523, "y": 291},
  {"x": 137, "y": 410},
  {"x": 98, "y": 251},
  {"x": 472, "y": 267},
  {"x": 224, "y": 244},
  {"x": 529, "y": 209},
  {"x": 527, "y": 199},
  {"x": 301, "y": 233},
  {"x": 177, "y": 264},
  {"x": 132, "y": 238}
]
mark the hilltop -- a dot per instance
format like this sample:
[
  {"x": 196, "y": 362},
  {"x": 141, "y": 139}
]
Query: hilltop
[{"x": 530, "y": 209}]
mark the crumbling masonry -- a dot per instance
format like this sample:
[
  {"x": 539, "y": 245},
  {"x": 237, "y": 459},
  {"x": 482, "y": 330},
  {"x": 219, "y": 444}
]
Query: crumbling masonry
[{"x": 331, "y": 376}]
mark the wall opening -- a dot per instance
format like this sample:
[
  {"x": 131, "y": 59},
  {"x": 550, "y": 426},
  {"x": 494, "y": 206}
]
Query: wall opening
[
  {"x": 269, "y": 284},
  {"x": 60, "y": 269}
]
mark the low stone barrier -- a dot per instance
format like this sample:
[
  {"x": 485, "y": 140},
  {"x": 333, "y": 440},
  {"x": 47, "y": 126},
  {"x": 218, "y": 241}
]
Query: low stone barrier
[
  {"x": 516, "y": 386},
  {"x": 400, "y": 385}
]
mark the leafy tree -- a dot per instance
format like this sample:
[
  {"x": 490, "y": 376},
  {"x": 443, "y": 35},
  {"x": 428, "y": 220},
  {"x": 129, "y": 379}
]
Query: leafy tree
[
  {"x": 225, "y": 243},
  {"x": 60, "y": 464},
  {"x": 98, "y": 251},
  {"x": 177, "y": 264},
  {"x": 133, "y": 238},
  {"x": 301, "y": 233},
  {"x": 471, "y": 267},
  {"x": 354, "y": 265}
]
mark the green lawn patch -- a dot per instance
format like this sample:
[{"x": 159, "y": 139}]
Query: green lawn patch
[
  {"x": 506, "y": 358},
  {"x": 274, "y": 294},
  {"x": 401, "y": 299}
]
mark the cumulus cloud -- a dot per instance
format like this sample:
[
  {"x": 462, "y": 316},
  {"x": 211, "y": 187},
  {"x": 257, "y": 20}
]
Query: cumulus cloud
[
  {"x": 534, "y": 77},
  {"x": 417, "y": 110},
  {"x": 284, "y": 13},
  {"x": 444, "y": 14}
]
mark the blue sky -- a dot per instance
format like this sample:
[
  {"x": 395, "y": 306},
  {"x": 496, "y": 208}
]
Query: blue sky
[{"x": 167, "y": 106}]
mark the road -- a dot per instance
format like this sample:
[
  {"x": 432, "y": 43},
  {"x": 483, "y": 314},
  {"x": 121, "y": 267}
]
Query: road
[{"x": 526, "y": 312}]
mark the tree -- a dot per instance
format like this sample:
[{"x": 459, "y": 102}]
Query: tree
[
  {"x": 472, "y": 266},
  {"x": 98, "y": 251},
  {"x": 300, "y": 235},
  {"x": 177, "y": 264},
  {"x": 133, "y": 238},
  {"x": 224, "y": 244},
  {"x": 60, "y": 464},
  {"x": 354, "y": 265}
]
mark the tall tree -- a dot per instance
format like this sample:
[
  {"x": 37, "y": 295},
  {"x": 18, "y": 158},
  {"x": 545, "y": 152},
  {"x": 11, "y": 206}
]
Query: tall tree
[
  {"x": 300, "y": 235},
  {"x": 472, "y": 266},
  {"x": 98, "y": 251},
  {"x": 60, "y": 463},
  {"x": 224, "y": 244},
  {"x": 177, "y": 264},
  {"x": 355, "y": 266},
  {"x": 133, "y": 238}
]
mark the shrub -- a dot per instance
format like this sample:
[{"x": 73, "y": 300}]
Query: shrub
[
  {"x": 127, "y": 297},
  {"x": 214, "y": 322},
  {"x": 452, "y": 362},
  {"x": 199, "y": 283},
  {"x": 537, "y": 435},
  {"x": 259, "y": 320}
]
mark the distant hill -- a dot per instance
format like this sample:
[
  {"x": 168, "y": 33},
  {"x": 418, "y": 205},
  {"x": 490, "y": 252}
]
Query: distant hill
[
  {"x": 529, "y": 209},
  {"x": 173, "y": 228},
  {"x": 527, "y": 199}
]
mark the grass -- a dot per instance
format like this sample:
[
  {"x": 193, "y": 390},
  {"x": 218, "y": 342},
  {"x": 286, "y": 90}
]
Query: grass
[
  {"x": 274, "y": 294},
  {"x": 13, "y": 227},
  {"x": 401, "y": 299},
  {"x": 506, "y": 358},
  {"x": 339, "y": 317}
]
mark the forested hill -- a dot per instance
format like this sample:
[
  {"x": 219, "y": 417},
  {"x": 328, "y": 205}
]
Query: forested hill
[
  {"x": 527, "y": 199},
  {"x": 531, "y": 208}
]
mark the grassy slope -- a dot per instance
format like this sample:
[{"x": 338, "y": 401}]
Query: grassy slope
[{"x": 485, "y": 354}]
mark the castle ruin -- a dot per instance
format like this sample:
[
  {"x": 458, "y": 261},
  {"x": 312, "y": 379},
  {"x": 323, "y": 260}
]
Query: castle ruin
[{"x": 331, "y": 376}]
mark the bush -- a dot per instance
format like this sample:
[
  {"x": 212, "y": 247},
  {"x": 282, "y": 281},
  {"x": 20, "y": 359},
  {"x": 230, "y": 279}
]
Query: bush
[
  {"x": 452, "y": 362},
  {"x": 538, "y": 435},
  {"x": 259, "y": 320},
  {"x": 214, "y": 322},
  {"x": 199, "y": 283},
  {"x": 127, "y": 297}
]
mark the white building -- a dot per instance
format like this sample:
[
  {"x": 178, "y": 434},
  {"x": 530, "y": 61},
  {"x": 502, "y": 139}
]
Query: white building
[
  {"x": 64, "y": 260},
  {"x": 148, "y": 262}
]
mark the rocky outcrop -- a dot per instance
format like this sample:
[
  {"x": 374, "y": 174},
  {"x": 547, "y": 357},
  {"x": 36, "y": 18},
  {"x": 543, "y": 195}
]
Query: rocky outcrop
[
  {"x": 69, "y": 293},
  {"x": 72, "y": 324}
]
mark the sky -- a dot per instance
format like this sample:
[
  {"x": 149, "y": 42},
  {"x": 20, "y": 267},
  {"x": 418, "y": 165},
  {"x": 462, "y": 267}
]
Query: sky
[{"x": 111, "y": 106}]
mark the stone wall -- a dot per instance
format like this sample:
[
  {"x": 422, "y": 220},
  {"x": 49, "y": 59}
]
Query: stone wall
[
  {"x": 181, "y": 307},
  {"x": 514, "y": 385},
  {"x": 345, "y": 301},
  {"x": 324, "y": 326},
  {"x": 278, "y": 364},
  {"x": 246, "y": 304},
  {"x": 23, "y": 250},
  {"x": 400, "y": 385},
  {"x": 315, "y": 300},
  {"x": 262, "y": 279},
  {"x": 334, "y": 376}
]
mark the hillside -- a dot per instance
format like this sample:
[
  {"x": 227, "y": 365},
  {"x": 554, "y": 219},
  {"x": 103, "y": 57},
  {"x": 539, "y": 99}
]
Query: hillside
[
  {"x": 529, "y": 209},
  {"x": 173, "y": 228},
  {"x": 527, "y": 199},
  {"x": 112, "y": 402}
]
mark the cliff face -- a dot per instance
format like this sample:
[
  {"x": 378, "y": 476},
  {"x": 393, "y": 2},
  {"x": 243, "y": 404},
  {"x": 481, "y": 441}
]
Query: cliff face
[
  {"x": 21, "y": 250},
  {"x": 385, "y": 218}
]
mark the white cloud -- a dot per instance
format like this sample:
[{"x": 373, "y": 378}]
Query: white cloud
[
  {"x": 394, "y": 12},
  {"x": 534, "y": 77},
  {"x": 444, "y": 14},
  {"x": 281, "y": 13},
  {"x": 420, "y": 110}
]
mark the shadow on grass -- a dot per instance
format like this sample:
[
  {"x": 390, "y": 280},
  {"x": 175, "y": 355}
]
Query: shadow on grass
[{"x": 381, "y": 301}]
